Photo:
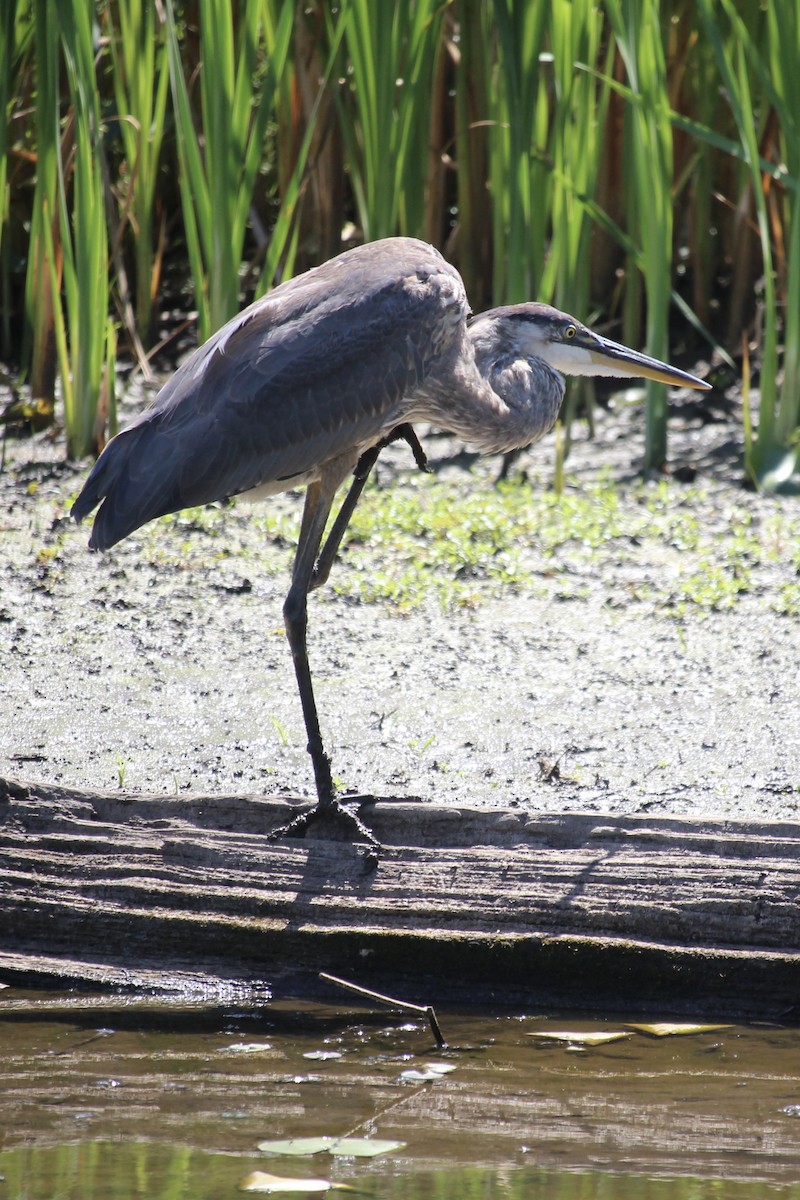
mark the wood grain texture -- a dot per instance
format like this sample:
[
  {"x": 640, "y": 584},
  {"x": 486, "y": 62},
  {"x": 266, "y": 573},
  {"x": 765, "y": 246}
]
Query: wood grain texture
[{"x": 470, "y": 904}]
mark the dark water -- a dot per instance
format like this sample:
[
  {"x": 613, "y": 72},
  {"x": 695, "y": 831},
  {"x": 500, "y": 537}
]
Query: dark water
[{"x": 110, "y": 1100}]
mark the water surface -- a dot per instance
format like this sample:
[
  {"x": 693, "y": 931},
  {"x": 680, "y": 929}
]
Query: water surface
[{"x": 116, "y": 1099}]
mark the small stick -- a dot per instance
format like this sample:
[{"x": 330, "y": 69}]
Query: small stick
[{"x": 424, "y": 1010}]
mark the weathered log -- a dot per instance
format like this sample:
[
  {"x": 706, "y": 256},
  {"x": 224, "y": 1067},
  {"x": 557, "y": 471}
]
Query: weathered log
[{"x": 184, "y": 892}]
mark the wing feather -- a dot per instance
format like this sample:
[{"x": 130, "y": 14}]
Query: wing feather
[{"x": 321, "y": 365}]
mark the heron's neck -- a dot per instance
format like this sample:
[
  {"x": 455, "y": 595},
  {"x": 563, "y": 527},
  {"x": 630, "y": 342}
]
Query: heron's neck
[{"x": 493, "y": 398}]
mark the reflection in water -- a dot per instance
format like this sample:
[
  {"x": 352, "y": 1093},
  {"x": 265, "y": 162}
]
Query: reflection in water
[
  {"x": 144, "y": 1171},
  {"x": 140, "y": 1102}
]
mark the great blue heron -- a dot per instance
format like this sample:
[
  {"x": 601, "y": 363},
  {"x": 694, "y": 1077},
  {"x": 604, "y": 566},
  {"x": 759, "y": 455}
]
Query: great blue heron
[{"x": 308, "y": 384}]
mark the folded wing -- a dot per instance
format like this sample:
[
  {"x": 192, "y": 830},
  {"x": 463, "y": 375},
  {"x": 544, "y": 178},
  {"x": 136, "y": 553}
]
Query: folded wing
[{"x": 321, "y": 365}]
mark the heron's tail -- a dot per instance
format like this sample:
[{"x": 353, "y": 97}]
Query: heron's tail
[
  {"x": 96, "y": 487},
  {"x": 124, "y": 505}
]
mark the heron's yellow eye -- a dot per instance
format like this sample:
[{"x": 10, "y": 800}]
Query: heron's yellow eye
[{"x": 570, "y": 332}]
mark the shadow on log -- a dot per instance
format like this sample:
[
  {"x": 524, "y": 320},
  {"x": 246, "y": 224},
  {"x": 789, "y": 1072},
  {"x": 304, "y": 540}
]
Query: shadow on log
[{"x": 184, "y": 895}]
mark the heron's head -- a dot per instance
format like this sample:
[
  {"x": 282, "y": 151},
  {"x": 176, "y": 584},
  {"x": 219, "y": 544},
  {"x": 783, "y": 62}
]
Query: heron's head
[{"x": 539, "y": 331}]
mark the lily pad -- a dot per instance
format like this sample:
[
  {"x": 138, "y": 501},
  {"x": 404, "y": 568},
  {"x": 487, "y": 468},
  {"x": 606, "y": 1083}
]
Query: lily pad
[
  {"x": 364, "y": 1147},
  {"x": 298, "y": 1146},
  {"x": 578, "y": 1037},
  {"x": 345, "y": 1146},
  {"x": 246, "y": 1048},
  {"x": 431, "y": 1070},
  {"x": 676, "y": 1028}
]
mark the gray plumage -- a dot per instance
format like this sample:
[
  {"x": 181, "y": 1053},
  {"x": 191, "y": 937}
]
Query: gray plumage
[
  {"x": 324, "y": 365},
  {"x": 307, "y": 384}
]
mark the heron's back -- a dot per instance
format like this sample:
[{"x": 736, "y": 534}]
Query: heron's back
[{"x": 318, "y": 367}]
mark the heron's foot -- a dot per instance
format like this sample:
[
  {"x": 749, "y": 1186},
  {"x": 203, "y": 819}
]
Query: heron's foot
[
  {"x": 409, "y": 434},
  {"x": 325, "y": 810}
]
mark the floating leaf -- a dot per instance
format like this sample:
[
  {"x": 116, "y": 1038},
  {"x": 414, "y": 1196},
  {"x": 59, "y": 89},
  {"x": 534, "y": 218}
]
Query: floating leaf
[
  {"x": 322, "y": 1055},
  {"x": 246, "y": 1048},
  {"x": 298, "y": 1146},
  {"x": 577, "y": 1037},
  {"x": 364, "y": 1147},
  {"x": 676, "y": 1028},
  {"x": 261, "y": 1181},
  {"x": 351, "y": 1147},
  {"x": 431, "y": 1070}
]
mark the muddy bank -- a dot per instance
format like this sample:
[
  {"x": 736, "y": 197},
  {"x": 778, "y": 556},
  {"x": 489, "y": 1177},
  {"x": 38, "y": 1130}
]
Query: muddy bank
[{"x": 162, "y": 666}]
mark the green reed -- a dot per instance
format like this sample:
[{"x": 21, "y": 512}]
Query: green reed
[
  {"x": 220, "y": 141},
  {"x": 83, "y": 334},
  {"x": 7, "y": 51},
  {"x": 519, "y": 177},
  {"x": 616, "y": 159},
  {"x": 39, "y": 347},
  {"x": 767, "y": 63},
  {"x": 140, "y": 72},
  {"x": 384, "y": 116},
  {"x": 780, "y": 70},
  {"x": 471, "y": 144},
  {"x": 579, "y": 112},
  {"x": 283, "y": 245},
  {"x": 647, "y": 175}
]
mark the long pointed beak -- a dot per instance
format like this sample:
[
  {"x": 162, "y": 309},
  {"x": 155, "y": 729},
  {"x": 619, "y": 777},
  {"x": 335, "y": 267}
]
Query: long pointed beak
[{"x": 614, "y": 359}]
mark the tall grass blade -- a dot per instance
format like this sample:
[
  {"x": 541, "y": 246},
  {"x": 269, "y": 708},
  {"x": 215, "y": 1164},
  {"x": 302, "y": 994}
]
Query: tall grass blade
[
  {"x": 141, "y": 86},
  {"x": 648, "y": 178},
  {"x": 765, "y": 453},
  {"x": 39, "y": 347},
  {"x": 579, "y": 107},
  {"x": 385, "y": 113},
  {"x": 579, "y": 110},
  {"x": 474, "y": 247},
  {"x": 84, "y": 239},
  {"x": 781, "y": 69},
  {"x": 519, "y": 175},
  {"x": 279, "y": 259},
  {"x": 7, "y": 47},
  {"x": 220, "y": 150}
]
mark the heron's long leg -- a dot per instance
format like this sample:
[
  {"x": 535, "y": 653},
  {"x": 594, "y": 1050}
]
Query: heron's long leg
[
  {"x": 311, "y": 570},
  {"x": 360, "y": 475},
  {"x": 319, "y": 498},
  {"x": 333, "y": 541}
]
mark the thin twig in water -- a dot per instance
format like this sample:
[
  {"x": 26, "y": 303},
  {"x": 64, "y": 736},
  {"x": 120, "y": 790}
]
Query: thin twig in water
[{"x": 425, "y": 1010}]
